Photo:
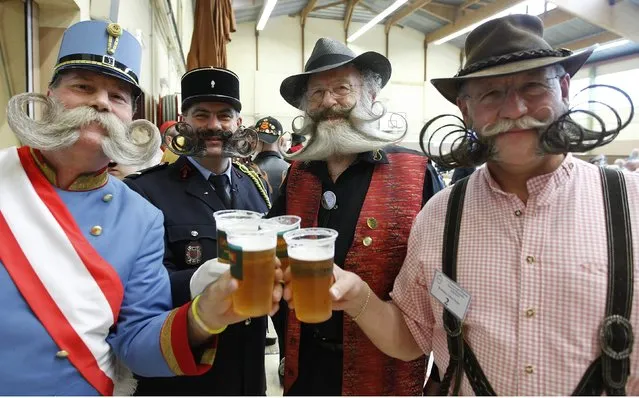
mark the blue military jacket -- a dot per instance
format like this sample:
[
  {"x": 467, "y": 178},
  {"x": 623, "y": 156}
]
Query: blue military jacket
[
  {"x": 131, "y": 241},
  {"x": 188, "y": 202}
]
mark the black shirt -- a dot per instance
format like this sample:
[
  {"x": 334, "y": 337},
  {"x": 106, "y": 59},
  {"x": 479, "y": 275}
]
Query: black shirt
[{"x": 350, "y": 189}]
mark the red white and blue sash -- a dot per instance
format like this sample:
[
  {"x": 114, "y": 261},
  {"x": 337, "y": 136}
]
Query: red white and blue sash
[{"x": 72, "y": 290}]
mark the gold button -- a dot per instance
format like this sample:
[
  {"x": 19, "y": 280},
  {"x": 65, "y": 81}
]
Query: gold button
[
  {"x": 247, "y": 322},
  {"x": 107, "y": 198},
  {"x": 62, "y": 354},
  {"x": 529, "y": 369},
  {"x": 96, "y": 230},
  {"x": 517, "y": 213},
  {"x": 530, "y": 259},
  {"x": 367, "y": 241},
  {"x": 530, "y": 312},
  {"x": 371, "y": 222}
]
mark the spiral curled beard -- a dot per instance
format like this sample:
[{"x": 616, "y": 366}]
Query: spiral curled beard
[
  {"x": 473, "y": 149},
  {"x": 59, "y": 128},
  {"x": 352, "y": 131}
]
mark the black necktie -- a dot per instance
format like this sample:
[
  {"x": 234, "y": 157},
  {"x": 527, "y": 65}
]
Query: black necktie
[{"x": 219, "y": 183}]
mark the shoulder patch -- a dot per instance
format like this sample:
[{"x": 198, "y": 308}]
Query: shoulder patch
[
  {"x": 151, "y": 169},
  {"x": 255, "y": 177}
]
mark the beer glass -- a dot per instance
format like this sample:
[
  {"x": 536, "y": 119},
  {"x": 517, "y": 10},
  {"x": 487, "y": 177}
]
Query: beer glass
[
  {"x": 224, "y": 219},
  {"x": 311, "y": 252},
  {"x": 283, "y": 224},
  {"x": 252, "y": 258}
]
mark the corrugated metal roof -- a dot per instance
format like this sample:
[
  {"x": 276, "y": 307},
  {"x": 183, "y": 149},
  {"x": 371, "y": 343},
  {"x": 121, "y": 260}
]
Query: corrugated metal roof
[
  {"x": 572, "y": 30},
  {"x": 249, "y": 10}
]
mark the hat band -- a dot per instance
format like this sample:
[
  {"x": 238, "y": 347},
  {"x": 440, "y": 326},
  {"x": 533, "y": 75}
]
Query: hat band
[
  {"x": 513, "y": 57},
  {"x": 98, "y": 60},
  {"x": 328, "y": 59}
]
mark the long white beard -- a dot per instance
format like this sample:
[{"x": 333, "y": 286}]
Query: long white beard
[{"x": 357, "y": 133}]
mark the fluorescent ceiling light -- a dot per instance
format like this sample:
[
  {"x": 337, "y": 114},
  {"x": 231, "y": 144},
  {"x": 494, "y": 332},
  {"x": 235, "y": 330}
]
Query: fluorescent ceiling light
[
  {"x": 266, "y": 12},
  {"x": 612, "y": 44},
  {"x": 376, "y": 20},
  {"x": 531, "y": 7}
]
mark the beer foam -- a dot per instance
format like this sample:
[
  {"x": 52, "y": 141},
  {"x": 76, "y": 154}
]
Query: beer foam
[
  {"x": 310, "y": 253},
  {"x": 252, "y": 243}
]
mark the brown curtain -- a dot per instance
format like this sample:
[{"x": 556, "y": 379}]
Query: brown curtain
[{"x": 214, "y": 23}]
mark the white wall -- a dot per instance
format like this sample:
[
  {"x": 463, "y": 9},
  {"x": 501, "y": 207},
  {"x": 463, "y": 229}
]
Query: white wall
[{"x": 279, "y": 55}]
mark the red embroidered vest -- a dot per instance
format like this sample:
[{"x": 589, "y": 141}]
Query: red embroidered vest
[{"x": 393, "y": 200}]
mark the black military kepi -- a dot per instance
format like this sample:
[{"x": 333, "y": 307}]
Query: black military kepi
[{"x": 209, "y": 84}]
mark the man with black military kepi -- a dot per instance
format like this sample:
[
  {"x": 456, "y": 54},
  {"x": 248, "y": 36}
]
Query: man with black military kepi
[{"x": 188, "y": 192}]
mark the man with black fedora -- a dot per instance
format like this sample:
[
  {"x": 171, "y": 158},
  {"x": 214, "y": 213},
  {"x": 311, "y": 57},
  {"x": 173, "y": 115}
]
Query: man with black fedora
[
  {"x": 350, "y": 176},
  {"x": 520, "y": 277},
  {"x": 268, "y": 157},
  {"x": 188, "y": 192}
]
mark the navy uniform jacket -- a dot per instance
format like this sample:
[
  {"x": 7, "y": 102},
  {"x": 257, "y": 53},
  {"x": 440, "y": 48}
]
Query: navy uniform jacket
[{"x": 188, "y": 202}]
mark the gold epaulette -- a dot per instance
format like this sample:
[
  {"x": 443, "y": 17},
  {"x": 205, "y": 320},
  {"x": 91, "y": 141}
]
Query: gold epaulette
[{"x": 256, "y": 180}]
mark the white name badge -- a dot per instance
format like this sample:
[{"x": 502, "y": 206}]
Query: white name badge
[{"x": 450, "y": 294}]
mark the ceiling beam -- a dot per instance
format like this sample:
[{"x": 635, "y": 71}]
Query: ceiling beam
[
  {"x": 307, "y": 10},
  {"x": 329, "y": 5},
  {"x": 554, "y": 17},
  {"x": 599, "y": 38},
  {"x": 348, "y": 14},
  {"x": 620, "y": 18},
  {"x": 444, "y": 12},
  {"x": 467, "y": 4},
  {"x": 404, "y": 12},
  {"x": 469, "y": 19}
]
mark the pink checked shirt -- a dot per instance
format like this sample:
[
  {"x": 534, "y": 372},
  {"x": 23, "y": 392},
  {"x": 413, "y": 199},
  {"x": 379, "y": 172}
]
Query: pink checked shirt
[{"x": 536, "y": 273}]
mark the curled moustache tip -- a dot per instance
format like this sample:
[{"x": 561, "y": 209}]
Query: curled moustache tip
[
  {"x": 398, "y": 124},
  {"x": 241, "y": 143},
  {"x": 143, "y": 132},
  {"x": 448, "y": 142},
  {"x": 298, "y": 123},
  {"x": 378, "y": 109},
  {"x": 182, "y": 140},
  {"x": 590, "y": 122},
  {"x": 18, "y": 105}
]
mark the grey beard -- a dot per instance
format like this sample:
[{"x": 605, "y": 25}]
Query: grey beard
[
  {"x": 59, "y": 128},
  {"x": 356, "y": 134}
]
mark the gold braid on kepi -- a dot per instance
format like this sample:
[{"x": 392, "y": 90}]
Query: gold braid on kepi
[
  {"x": 115, "y": 31},
  {"x": 256, "y": 180}
]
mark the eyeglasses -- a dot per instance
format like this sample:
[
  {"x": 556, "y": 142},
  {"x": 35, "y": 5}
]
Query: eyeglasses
[
  {"x": 337, "y": 91},
  {"x": 530, "y": 91}
]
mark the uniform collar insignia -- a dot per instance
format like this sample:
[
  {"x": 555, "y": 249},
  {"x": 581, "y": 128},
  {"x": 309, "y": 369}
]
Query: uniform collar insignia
[{"x": 84, "y": 182}]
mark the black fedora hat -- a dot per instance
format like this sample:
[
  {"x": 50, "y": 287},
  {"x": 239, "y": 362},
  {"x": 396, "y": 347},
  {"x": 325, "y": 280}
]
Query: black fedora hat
[
  {"x": 209, "y": 84},
  {"x": 508, "y": 45},
  {"x": 330, "y": 54}
]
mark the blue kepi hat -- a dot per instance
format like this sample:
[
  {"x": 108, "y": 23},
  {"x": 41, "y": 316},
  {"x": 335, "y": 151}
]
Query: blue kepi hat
[{"x": 102, "y": 47}]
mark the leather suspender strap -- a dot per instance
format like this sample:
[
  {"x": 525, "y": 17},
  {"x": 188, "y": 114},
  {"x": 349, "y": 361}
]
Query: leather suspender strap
[
  {"x": 610, "y": 371},
  {"x": 462, "y": 358}
]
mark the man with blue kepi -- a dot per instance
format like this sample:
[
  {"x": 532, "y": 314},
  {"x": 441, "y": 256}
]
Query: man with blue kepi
[
  {"x": 188, "y": 192},
  {"x": 81, "y": 276}
]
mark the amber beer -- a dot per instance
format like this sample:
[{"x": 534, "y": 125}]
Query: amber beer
[
  {"x": 311, "y": 252},
  {"x": 252, "y": 258},
  {"x": 283, "y": 224},
  {"x": 225, "y": 219}
]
